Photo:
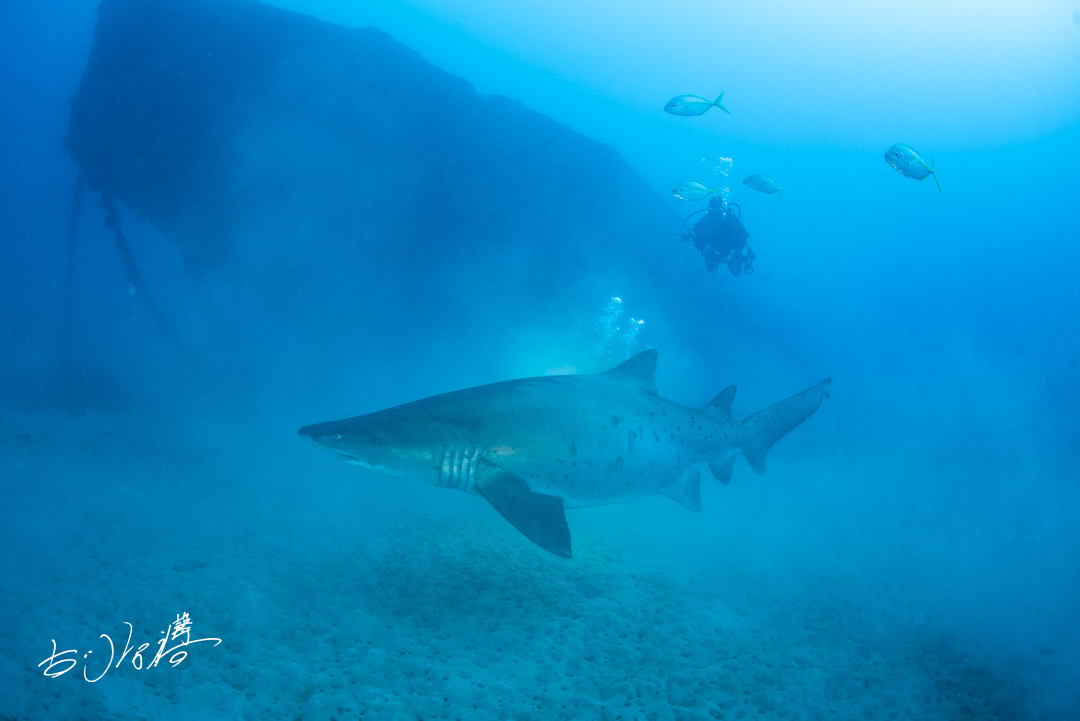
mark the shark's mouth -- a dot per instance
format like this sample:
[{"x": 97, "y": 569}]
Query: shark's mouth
[{"x": 369, "y": 466}]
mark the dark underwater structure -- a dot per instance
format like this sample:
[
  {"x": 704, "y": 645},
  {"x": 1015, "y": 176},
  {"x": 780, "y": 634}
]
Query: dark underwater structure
[
  {"x": 306, "y": 200},
  {"x": 214, "y": 119}
]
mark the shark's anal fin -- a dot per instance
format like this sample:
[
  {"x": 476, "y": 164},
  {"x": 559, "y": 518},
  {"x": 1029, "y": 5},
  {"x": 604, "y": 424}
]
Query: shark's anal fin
[
  {"x": 687, "y": 490},
  {"x": 721, "y": 468},
  {"x": 538, "y": 516}
]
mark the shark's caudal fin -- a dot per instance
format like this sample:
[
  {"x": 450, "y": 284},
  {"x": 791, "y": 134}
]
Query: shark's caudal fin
[{"x": 764, "y": 428}]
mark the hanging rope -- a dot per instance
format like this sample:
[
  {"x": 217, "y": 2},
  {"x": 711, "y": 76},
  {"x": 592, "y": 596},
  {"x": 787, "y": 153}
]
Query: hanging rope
[
  {"x": 134, "y": 275},
  {"x": 69, "y": 278}
]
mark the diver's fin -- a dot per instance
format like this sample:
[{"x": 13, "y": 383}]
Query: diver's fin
[
  {"x": 719, "y": 102},
  {"x": 538, "y": 516},
  {"x": 721, "y": 468},
  {"x": 769, "y": 425},
  {"x": 687, "y": 490}
]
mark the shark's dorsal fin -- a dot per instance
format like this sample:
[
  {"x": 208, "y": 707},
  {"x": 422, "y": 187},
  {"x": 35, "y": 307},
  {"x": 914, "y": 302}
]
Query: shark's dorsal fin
[
  {"x": 720, "y": 407},
  {"x": 640, "y": 369}
]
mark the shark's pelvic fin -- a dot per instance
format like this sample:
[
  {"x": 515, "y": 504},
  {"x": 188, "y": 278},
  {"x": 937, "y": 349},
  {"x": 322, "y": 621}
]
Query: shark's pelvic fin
[
  {"x": 639, "y": 369},
  {"x": 768, "y": 425},
  {"x": 720, "y": 407},
  {"x": 687, "y": 490},
  {"x": 538, "y": 516}
]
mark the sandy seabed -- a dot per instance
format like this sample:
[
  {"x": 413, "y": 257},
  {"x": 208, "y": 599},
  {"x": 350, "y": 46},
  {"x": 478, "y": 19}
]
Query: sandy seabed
[{"x": 337, "y": 597}]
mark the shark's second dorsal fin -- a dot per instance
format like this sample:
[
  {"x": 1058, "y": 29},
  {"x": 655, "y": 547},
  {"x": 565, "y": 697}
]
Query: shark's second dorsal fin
[
  {"x": 720, "y": 407},
  {"x": 640, "y": 369}
]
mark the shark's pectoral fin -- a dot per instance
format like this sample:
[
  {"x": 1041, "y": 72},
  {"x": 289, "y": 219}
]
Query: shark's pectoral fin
[
  {"x": 687, "y": 490},
  {"x": 538, "y": 516}
]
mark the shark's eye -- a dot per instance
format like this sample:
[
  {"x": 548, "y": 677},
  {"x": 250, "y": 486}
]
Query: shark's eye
[{"x": 337, "y": 436}]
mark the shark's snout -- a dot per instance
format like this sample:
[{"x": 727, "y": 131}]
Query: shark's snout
[
  {"x": 355, "y": 441},
  {"x": 330, "y": 437},
  {"x": 321, "y": 433}
]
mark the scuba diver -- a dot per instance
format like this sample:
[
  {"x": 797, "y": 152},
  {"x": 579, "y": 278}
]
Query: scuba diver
[{"x": 721, "y": 238}]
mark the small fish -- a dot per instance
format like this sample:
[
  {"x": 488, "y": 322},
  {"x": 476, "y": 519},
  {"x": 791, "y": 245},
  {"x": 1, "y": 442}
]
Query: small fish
[
  {"x": 690, "y": 105},
  {"x": 689, "y": 190},
  {"x": 762, "y": 184},
  {"x": 908, "y": 163}
]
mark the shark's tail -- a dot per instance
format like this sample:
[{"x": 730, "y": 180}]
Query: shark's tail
[{"x": 764, "y": 428}]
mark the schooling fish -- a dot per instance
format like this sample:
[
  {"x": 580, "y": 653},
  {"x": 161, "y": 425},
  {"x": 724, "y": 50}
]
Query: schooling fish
[
  {"x": 762, "y": 184},
  {"x": 908, "y": 163},
  {"x": 691, "y": 105},
  {"x": 535, "y": 446},
  {"x": 689, "y": 190}
]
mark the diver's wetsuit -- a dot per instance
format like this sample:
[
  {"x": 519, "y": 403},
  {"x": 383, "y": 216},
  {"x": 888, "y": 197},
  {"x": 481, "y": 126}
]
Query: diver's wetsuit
[{"x": 721, "y": 238}]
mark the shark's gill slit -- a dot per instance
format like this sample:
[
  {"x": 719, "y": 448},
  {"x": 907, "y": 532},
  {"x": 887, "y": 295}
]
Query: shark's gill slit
[
  {"x": 473, "y": 460},
  {"x": 457, "y": 468},
  {"x": 445, "y": 468}
]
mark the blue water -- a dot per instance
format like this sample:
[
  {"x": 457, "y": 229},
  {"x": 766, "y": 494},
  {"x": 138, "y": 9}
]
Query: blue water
[{"x": 912, "y": 553}]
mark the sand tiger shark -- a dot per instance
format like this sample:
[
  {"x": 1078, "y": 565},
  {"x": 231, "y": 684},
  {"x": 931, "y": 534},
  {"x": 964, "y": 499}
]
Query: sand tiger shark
[{"x": 533, "y": 447}]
